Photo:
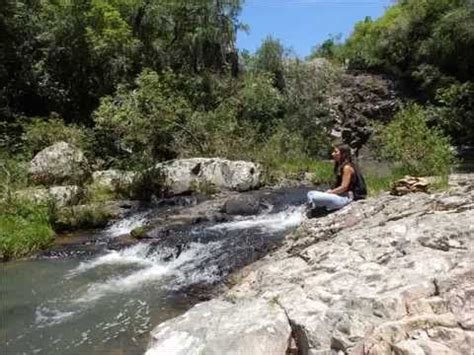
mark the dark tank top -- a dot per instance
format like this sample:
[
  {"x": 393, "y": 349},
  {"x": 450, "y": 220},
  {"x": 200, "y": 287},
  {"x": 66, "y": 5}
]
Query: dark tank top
[{"x": 357, "y": 184}]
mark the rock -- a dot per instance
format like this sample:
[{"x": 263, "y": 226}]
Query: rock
[
  {"x": 390, "y": 275},
  {"x": 409, "y": 184},
  {"x": 242, "y": 205},
  {"x": 60, "y": 195},
  {"x": 58, "y": 164},
  {"x": 220, "y": 327},
  {"x": 114, "y": 180},
  {"x": 360, "y": 99},
  {"x": 206, "y": 175},
  {"x": 94, "y": 215}
]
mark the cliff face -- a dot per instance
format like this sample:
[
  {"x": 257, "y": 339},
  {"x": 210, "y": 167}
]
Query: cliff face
[
  {"x": 390, "y": 275},
  {"x": 357, "y": 101}
]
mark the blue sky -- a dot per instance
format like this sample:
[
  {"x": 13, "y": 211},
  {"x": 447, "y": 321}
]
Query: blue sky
[{"x": 301, "y": 24}]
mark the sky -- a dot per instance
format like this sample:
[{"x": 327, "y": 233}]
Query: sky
[{"x": 302, "y": 24}]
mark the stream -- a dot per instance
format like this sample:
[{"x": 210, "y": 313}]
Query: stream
[{"x": 100, "y": 295}]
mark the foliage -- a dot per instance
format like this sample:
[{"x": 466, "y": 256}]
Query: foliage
[
  {"x": 261, "y": 103},
  {"x": 424, "y": 151},
  {"x": 24, "y": 228},
  {"x": 143, "y": 121},
  {"x": 269, "y": 58},
  {"x": 13, "y": 175},
  {"x": 307, "y": 93},
  {"x": 63, "y": 55},
  {"x": 330, "y": 49},
  {"x": 40, "y": 133},
  {"x": 455, "y": 112}
]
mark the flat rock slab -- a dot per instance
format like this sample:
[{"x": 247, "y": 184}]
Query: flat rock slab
[
  {"x": 219, "y": 327},
  {"x": 388, "y": 275}
]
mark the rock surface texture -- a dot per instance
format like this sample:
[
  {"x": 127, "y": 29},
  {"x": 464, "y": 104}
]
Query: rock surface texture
[
  {"x": 60, "y": 195},
  {"x": 203, "y": 174},
  {"x": 359, "y": 100},
  {"x": 219, "y": 327},
  {"x": 390, "y": 275},
  {"x": 114, "y": 180},
  {"x": 59, "y": 164}
]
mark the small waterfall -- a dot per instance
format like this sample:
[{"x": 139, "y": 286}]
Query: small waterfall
[
  {"x": 127, "y": 224},
  {"x": 148, "y": 265}
]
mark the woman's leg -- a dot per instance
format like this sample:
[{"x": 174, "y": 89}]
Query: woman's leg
[{"x": 327, "y": 200}]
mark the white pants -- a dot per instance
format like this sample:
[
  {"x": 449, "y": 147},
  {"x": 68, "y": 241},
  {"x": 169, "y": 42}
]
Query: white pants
[{"x": 330, "y": 201}]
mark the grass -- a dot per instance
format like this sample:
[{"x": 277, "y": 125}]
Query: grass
[
  {"x": 24, "y": 228},
  {"x": 322, "y": 171}
]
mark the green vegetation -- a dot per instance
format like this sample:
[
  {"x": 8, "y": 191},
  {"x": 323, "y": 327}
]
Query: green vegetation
[
  {"x": 24, "y": 228},
  {"x": 420, "y": 150}
]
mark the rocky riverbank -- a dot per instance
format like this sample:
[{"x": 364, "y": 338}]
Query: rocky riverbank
[{"x": 390, "y": 275}]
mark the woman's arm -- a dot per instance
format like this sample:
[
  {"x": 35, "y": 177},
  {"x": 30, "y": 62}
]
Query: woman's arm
[{"x": 347, "y": 172}]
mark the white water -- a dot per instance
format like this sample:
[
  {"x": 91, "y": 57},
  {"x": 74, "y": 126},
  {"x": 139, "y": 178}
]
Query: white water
[
  {"x": 268, "y": 222},
  {"x": 126, "y": 225},
  {"x": 182, "y": 271}
]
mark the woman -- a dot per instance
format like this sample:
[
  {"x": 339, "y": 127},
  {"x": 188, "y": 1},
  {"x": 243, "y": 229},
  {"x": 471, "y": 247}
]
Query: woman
[{"x": 350, "y": 184}]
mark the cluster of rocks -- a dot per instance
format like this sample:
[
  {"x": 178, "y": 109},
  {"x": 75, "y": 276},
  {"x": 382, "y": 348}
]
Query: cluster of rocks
[
  {"x": 62, "y": 174},
  {"x": 390, "y": 275},
  {"x": 359, "y": 100}
]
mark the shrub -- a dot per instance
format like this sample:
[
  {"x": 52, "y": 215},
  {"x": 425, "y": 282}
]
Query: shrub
[
  {"x": 95, "y": 215},
  {"x": 24, "y": 228},
  {"x": 421, "y": 150},
  {"x": 308, "y": 90},
  {"x": 13, "y": 175},
  {"x": 40, "y": 133},
  {"x": 143, "y": 121},
  {"x": 261, "y": 102}
]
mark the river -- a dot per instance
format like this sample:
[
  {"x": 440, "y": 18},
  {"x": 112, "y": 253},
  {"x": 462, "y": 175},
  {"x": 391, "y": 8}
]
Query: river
[{"x": 99, "y": 296}]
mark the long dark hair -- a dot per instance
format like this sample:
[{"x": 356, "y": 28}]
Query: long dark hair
[{"x": 346, "y": 158}]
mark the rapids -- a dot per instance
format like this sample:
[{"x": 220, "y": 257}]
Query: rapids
[{"x": 103, "y": 297}]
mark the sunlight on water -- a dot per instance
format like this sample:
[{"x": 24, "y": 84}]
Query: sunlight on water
[{"x": 274, "y": 222}]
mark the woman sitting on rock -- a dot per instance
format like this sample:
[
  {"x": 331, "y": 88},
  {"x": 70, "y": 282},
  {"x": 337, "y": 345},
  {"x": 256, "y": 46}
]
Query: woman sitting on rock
[{"x": 349, "y": 186}]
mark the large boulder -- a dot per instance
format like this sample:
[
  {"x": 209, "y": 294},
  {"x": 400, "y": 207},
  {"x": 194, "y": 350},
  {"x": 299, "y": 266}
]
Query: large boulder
[
  {"x": 219, "y": 327},
  {"x": 59, "y": 164},
  {"x": 205, "y": 175}
]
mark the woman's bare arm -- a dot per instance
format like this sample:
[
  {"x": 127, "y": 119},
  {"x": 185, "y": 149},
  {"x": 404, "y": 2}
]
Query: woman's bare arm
[{"x": 347, "y": 172}]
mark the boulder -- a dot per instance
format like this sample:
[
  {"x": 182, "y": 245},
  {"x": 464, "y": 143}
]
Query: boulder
[
  {"x": 205, "y": 175},
  {"x": 60, "y": 195},
  {"x": 114, "y": 180},
  {"x": 219, "y": 327},
  {"x": 242, "y": 205},
  {"x": 58, "y": 164}
]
